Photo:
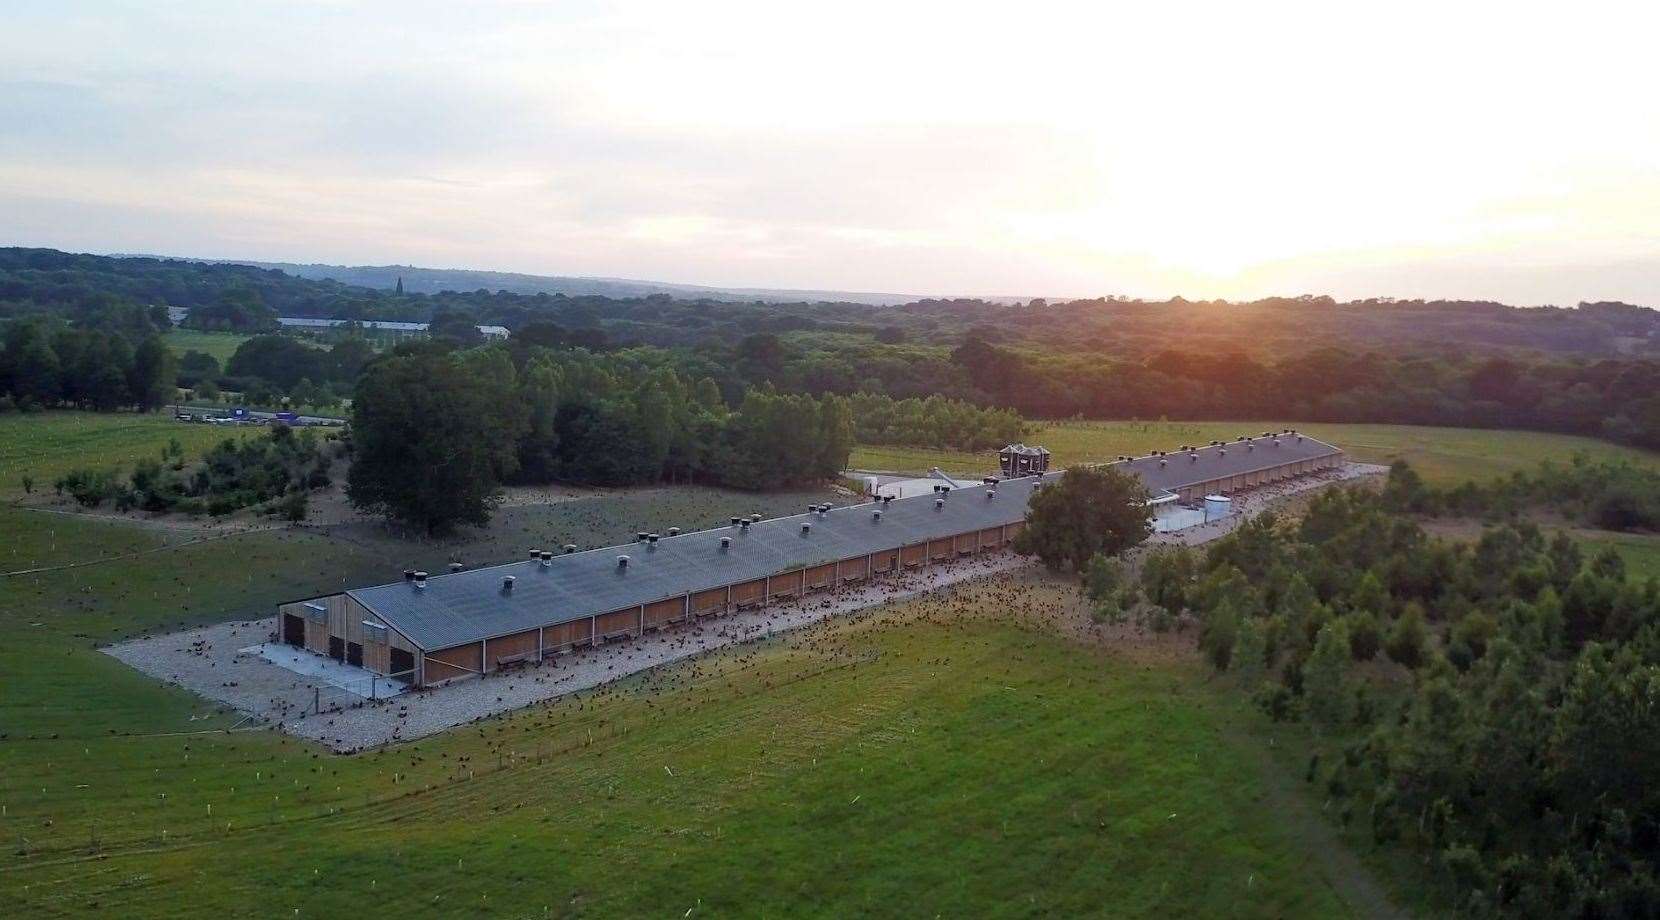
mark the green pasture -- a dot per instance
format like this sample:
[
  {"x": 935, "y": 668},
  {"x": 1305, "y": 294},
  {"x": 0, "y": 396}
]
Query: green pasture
[
  {"x": 1441, "y": 455},
  {"x": 45, "y": 445},
  {"x": 939, "y": 757},
  {"x": 220, "y": 345}
]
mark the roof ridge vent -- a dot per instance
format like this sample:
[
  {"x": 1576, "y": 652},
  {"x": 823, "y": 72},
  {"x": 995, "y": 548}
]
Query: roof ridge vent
[
  {"x": 507, "y": 583},
  {"x": 876, "y": 515},
  {"x": 939, "y": 503},
  {"x": 725, "y": 542},
  {"x": 674, "y": 531},
  {"x": 622, "y": 562},
  {"x": 806, "y": 527},
  {"x": 570, "y": 548}
]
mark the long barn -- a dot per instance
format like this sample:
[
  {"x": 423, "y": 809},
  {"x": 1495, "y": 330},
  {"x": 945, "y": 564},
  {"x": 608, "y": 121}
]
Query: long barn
[{"x": 430, "y": 630}]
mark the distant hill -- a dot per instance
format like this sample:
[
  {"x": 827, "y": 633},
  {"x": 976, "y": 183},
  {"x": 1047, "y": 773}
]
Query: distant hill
[{"x": 417, "y": 280}]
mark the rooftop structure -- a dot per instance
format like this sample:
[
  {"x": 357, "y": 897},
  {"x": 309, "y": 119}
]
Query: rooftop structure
[{"x": 445, "y": 626}]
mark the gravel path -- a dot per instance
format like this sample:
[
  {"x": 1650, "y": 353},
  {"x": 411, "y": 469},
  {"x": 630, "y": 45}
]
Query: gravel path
[
  {"x": 207, "y": 661},
  {"x": 1249, "y": 504}
]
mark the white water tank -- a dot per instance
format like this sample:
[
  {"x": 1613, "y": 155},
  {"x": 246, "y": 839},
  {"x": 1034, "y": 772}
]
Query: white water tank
[{"x": 1217, "y": 507}]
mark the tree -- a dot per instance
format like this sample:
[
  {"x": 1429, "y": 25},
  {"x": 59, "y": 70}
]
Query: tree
[
  {"x": 1250, "y": 653},
  {"x": 539, "y": 447},
  {"x": 421, "y": 429},
  {"x": 1408, "y": 638},
  {"x": 835, "y": 437},
  {"x": 1326, "y": 681},
  {"x": 32, "y": 364},
  {"x": 1364, "y": 636},
  {"x": 1220, "y": 633},
  {"x": 455, "y": 326},
  {"x": 196, "y": 367},
  {"x": 1089, "y": 510},
  {"x": 1108, "y": 585},
  {"x": 154, "y": 374},
  {"x": 1167, "y": 576},
  {"x": 279, "y": 360}
]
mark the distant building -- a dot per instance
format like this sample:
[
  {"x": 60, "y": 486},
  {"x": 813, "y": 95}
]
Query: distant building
[{"x": 389, "y": 327}]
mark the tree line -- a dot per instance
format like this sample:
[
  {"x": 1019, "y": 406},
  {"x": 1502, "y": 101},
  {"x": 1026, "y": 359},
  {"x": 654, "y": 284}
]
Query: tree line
[
  {"x": 1611, "y": 494},
  {"x": 46, "y": 365},
  {"x": 438, "y": 430},
  {"x": 1591, "y": 370},
  {"x": 1488, "y": 705}
]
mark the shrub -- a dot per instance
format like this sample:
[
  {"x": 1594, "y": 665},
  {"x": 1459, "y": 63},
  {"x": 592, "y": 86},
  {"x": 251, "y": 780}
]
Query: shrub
[
  {"x": 89, "y": 488},
  {"x": 293, "y": 506}
]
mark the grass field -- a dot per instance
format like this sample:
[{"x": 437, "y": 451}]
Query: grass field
[
  {"x": 929, "y": 761},
  {"x": 48, "y": 444},
  {"x": 220, "y": 345},
  {"x": 924, "y": 761},
  {"x": 1441, "y": 455}
]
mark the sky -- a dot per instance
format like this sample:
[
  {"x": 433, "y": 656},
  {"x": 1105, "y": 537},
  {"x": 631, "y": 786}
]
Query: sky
[{"x": 1452, "y": 149}]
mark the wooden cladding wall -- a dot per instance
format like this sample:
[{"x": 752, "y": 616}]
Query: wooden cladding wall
[
  {"x": 566, "y": 634},
  {"x": 991, "y": 537},
  {"x": 748, "y": 593},
  {"x": 940, "y": 549},
  {"x": 610, "y": 625},
  {"x": 509, "y": 649},
  {"x": 665, "y": 611},
  {"x": 787, "y": 585},
  {"x": 711, "y": 601},
  {"x": 913, "y": 555},
  {"x": 884, "y": 561},
  {"x": 451, "y": 663},
  {"x": 820, "y": 576},
  {"x": 851, "y": 569}
]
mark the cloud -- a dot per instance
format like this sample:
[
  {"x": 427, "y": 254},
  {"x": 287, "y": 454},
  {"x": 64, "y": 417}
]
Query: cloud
[{"x": 1067, "y": 149}]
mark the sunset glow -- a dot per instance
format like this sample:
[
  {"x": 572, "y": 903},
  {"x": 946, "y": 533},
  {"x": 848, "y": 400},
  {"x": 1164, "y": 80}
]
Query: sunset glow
[{"x": 1418, "y": 149}]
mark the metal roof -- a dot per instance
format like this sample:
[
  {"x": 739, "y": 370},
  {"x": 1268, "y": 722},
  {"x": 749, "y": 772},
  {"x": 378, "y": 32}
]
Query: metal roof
[
  {"x": 387, "y": 325},
  {"x": 464, "y": 607},
  {"x": 1176, "y": 470}
]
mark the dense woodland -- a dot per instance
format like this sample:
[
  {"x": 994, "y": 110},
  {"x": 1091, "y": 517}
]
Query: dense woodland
[
  {"x": 1592, "y": 370},
  {"x": 45, "y": 364},
  {"x": 1489, "y": 704},
  {"x": 438, "y": 429}
]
